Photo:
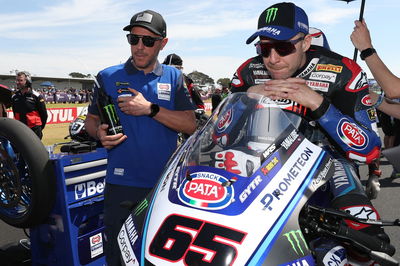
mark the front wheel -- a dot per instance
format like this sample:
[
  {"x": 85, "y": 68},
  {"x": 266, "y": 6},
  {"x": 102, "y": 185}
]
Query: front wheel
[{"x": 27, "y": 177}]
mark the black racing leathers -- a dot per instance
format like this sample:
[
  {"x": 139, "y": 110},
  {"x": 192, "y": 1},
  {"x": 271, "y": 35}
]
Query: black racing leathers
[
  {"x": 345, "y": 126},
  {"x": 346, "y": 116}
]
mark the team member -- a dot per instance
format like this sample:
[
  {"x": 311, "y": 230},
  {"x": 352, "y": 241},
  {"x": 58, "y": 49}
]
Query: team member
[
  {"x": 154, "y": 107},
  {"x": 325, "y": 87},
  {"x": 176, "y": 61},
  {"x": 28, "y": 105}
]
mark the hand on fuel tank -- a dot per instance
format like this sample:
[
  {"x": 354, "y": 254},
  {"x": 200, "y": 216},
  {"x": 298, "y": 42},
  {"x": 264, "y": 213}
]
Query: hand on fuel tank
[
  {"x": 109, "y": 141},
  {"x": 135, "y": 104}
]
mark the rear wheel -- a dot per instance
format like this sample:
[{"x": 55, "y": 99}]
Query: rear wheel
[{"x": 27, "y": 178}]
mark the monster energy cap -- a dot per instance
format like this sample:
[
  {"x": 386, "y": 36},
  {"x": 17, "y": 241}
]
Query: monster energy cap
[
  {"x": 150, "y": 20},
  {"x": 281, "y": 22}
]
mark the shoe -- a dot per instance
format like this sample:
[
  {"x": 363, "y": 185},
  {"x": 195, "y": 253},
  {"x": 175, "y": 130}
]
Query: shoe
[
  {"x": 26, "y": 243},
  {"x": 373, "y": 187}
]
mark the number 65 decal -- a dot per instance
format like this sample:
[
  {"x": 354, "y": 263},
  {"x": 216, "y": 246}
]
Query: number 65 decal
[{"x": 195, "y": 241}]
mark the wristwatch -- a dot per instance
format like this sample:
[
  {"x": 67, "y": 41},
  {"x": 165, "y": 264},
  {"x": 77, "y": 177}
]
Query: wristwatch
[
  {"x": 154, "y": 108},
  {"x": 367, "y": 52}
]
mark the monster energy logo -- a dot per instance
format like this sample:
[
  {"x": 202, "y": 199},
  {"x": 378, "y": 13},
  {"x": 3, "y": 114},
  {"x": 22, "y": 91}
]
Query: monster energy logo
[
  {"x": 297, "y": 240},
  {"x": 141, "y": 207},
  {"x": 120, "y": 83},
  {"x": 111, "y": 113},
  {"x": 271, "y": 14}
]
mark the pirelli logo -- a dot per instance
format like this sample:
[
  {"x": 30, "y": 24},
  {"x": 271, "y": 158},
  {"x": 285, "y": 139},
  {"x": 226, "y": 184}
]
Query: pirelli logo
[{"x": 329, "y": 67}]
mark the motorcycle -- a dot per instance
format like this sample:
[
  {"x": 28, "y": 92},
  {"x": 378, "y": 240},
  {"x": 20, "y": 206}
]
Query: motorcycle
[
  {"x": 238, "y": 192},
  {"x": 201, "y": 119}
]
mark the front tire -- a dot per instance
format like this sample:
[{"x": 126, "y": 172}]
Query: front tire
[{"x": 27, "y": 177}]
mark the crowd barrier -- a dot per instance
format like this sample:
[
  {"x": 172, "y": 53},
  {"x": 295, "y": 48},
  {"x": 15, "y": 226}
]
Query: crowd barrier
[{"x": 67, "y": 115}]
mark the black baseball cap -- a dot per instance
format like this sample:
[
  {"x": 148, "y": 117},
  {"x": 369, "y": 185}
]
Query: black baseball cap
[
  {"x": 173, "y": 59},
  {"x": 281, "y": 22},
  {"x": 150, "y": 20}
]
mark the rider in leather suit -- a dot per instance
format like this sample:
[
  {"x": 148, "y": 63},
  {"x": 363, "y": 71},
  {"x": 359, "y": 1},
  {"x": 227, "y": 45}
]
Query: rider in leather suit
[{"x": 345, "y": 122}]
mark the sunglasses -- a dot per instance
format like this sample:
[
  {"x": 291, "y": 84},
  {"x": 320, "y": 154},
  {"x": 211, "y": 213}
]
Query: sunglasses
[
  {"x": 147, "y": 41},
  {"x": 283, "y": 48}
]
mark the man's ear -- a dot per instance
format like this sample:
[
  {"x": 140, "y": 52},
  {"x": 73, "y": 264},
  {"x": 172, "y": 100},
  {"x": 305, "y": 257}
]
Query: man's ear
[
  {"x": 164, "y": 42},
  {"x": 307, "y": 42}
]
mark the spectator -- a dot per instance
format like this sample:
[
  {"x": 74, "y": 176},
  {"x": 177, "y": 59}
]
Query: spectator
[
  {"x": 389, "y": 83},
  {"x": 286, "y": 70},
  {"x": 176, "y": 61},
  {"x": 28, "y": 105},
  {"x": 216, "y": 98},
  {"x": 362, "y": 41},
  {"x": 156, "y": 105}
]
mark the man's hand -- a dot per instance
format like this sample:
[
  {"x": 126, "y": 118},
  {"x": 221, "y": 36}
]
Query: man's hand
[
  {"x": 294, "y": 89},
  {"x": 360, "y": 37},
  {"x": 109, "y": 141},
  {"x": 134, "y": 105}
]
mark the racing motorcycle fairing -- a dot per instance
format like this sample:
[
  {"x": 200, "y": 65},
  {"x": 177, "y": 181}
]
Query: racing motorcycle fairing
[{"x": 232, "y": 193}]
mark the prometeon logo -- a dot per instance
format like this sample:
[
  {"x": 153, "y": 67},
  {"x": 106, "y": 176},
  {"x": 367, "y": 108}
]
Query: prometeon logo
[{"x": 271, "y": 14}]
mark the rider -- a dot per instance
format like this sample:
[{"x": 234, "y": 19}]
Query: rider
[{"x": 330, "y": 91}]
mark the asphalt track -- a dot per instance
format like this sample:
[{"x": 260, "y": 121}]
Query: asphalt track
[{"x": 387, "y": 203}]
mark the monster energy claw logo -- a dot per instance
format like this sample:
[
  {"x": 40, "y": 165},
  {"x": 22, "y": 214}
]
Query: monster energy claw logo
[
  {"x": 111, "y": 113},
  {"x": 141, "y": 207},
  {"x": 271, "y": 14},
  {"x": 297, "y": 240}
]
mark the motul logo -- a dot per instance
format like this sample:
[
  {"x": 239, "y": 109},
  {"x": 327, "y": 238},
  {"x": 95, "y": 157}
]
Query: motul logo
[{"x": 206, "y": 190}]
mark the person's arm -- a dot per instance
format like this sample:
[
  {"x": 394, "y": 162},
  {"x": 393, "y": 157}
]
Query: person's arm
[
  {"x": 41, "y": 106},
  {"x": 385, "y": 105},
  {"x": 179, "y": 120},
  {"x": 386, "y": 79},
  {"x": 99, "y": 131}
]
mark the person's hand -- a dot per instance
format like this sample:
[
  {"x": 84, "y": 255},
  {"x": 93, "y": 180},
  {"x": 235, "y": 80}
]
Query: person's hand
[
  {"x": 135, "y": 104},
  {"x": 294, "y": 89},
  {"x": 361, "y": 37},
  {"x": 109, "y": 141}
]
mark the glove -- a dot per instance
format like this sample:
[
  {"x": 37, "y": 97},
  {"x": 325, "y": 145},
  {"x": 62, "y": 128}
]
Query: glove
[{"x": 236, "y": 161}]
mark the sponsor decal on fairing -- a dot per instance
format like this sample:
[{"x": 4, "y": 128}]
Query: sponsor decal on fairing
[
  {"x": 127, "y": 237},
  {"x": 205, "y": 190}
]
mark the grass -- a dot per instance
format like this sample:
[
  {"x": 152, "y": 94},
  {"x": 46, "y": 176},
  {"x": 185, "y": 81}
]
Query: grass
[{"x": 55, "y": 133}]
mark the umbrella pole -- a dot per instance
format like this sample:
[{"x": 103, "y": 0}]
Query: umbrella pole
[{"x": 360, "y": 19}]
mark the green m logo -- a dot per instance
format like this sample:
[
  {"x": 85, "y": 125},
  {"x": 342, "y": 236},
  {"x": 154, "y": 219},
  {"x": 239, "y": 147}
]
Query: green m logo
[
  {"x": 111, "y": 113},
  {"x": 297, "y": 241},
  {"x": 271, "y": 14}
]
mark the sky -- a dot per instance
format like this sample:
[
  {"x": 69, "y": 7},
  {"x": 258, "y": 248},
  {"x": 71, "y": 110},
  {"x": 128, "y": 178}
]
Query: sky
[{"x": 55, "y": 38}]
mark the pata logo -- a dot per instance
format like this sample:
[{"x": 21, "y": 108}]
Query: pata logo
[{"x": 271, "y": 14}]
